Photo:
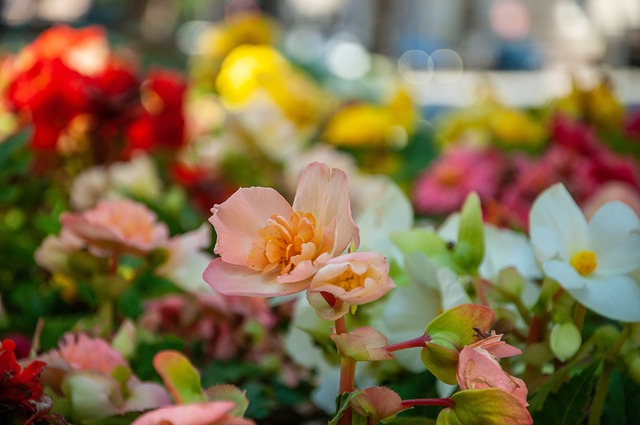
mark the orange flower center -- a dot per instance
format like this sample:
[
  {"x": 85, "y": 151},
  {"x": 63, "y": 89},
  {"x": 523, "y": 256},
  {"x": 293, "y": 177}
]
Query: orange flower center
[
  {"x": 348, "y": 280},
  {"x": 585, "y": 262},
  {"x": 285, "y": 243},
  {"x": 449, "y": 176}
]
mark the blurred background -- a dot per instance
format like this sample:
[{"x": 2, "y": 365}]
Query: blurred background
[{"x": 441, "y": 47}]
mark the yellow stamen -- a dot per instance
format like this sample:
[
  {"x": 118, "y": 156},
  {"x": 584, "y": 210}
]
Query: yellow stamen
[
  {"x": 282, "y": 243},
  {"x": 585, "y": 262},
  {"x": 348, "y": 280}
]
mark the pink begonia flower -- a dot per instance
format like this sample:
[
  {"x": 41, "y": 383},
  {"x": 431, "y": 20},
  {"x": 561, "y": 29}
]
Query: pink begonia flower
[
  {"x": 478, "y": 369},
  {"x": 495, "y": 346},
  {"x": 609, "y": 192},
  {"x": 114, "y": 226},
  {"x": 443, "y": 187},
  {"x": 213, "y": 413},
  {"x": 83, "y": 369},
  {"x": 84, "y": 353},
  {"x": 219, "y": 321},
  {"x": 355, "y": 278},
  {"x": 269, "y": 248}
]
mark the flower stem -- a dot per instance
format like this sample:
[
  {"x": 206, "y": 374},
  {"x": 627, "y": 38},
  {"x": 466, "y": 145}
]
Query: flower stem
[
  {"x": 347, "y": 373},
  {"x": 418, "y": 342},
  {"x": 603, "y": 383},
  {"x": 579, "y": 314},
  {"x": 523, "y": 310},
  {"x": 446, "y": 402}
]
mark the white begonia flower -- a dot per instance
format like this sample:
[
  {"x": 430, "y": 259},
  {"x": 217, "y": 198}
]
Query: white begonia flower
[
  {"x": 186, "y": 260},
  {"x": 592, "y": 261}
]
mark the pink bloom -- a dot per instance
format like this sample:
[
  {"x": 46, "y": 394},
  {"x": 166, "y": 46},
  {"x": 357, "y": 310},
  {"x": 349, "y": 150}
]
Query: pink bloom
[
  {"x": 80, "y": 352},
  {"x": 443, "y": 187},
  {"x": 356, "y": 278},
  {"x": 213, "y": 413},
  {"x": 609, "y": 192},
  {"x": 114, "y": 226},
  {"x": 268, "y": 247},
  {"x": 478, "y": 368},
  {"x": 495, "y": 346}
]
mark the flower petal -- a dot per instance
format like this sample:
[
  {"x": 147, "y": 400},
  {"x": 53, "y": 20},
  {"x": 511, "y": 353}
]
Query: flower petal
[
  {"x": 323, "y": 192},
  {"x": 566, "y": 275},
  {"x": 614, "y": 297},
  {"x": 190, "y": 414},
  {"x": 614, "y": 233},
  {"x": 238, "y": 219},
  {"x": 230, "y": 279},
  {"x": 556, "y": 210}
]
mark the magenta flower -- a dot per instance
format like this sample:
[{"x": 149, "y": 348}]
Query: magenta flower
[
  {"x": 114, "y": 226},
  {"x": 443, "y": 187},
  {"x": 268, "y": 247}
]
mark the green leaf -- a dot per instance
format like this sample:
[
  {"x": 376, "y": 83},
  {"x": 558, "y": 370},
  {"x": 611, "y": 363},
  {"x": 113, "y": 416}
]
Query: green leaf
[
  {"x": 414, "y": 421},
  {"x": 489, "y": 406},
  {"x": 10, "y": 145},
  {"x": 227, "y": 392},
  {"x": 449, "y": 333},
  {"x": 342, "y": 402},
  {"x": 569, "y": 404},
  {"x": 179, "y": 375},
  {"x": 420, "y": 240}
]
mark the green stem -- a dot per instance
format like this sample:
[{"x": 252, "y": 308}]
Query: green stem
[
  {"x": 523, "y": 310},
  {"x": 603, "y": 384},
  {"x": 105, "y": 317},
  {"x": 579, "y": 314}
]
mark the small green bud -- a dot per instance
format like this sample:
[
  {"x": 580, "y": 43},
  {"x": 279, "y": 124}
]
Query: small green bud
[
  {"x": 470, "y": 248},
  {"x": 537, "y": 354},
  {"x": 565, "y": 340},
  {"x": 606, "y": 337},
  {"x": 633, "y": 365},
  {"x": 510, "y": 284}
]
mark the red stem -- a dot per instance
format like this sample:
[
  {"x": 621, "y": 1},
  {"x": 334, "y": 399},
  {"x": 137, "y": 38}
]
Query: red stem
[
  {"x": 418, "y": 342},
  {"x": 347, "y": 373},
  {"x": 446, "y": 402}
]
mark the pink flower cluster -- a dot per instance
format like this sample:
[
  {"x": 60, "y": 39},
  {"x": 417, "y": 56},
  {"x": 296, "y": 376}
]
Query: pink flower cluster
[
  {"x": 219, "y": 321},
  {"x": 508, "y": 183}
]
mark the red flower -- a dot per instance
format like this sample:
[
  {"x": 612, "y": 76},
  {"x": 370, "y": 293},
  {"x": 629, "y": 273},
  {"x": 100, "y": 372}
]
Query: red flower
[
  {"x": 161, "y": 122},
  {"x": 19, "y": 388}
]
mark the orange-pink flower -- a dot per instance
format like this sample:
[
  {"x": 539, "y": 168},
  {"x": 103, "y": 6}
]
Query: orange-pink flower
[
  {"x": 355, "y": 278},
  {"x": 478, "y": 368},
  {"x": 113, "y": 226},
  {"x": 268, "y": 247}
]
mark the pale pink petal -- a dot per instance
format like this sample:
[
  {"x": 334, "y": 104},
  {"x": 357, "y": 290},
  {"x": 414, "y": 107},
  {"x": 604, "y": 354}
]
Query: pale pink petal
[
  {"x": 214, "y": 413},
  {"x": 323, "y": 192},
  {"x": 495, "y": 346},
  {"x": 371, "y": 267},
  {"x": 230, "y": 279},
  {"x": 145, "y": 396},
  {"x": 238, "y": 219},
  {"x": 478, "y": 369}
]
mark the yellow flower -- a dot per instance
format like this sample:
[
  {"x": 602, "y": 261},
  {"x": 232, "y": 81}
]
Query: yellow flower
[
  {"x": 251, "y": 71},
  {"x": 365, "y": 124}
]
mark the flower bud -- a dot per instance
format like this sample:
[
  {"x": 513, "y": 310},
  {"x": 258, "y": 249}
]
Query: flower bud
[{"x": 565, "y": 340}]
